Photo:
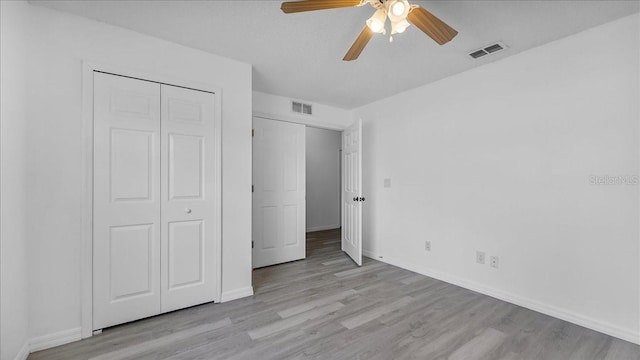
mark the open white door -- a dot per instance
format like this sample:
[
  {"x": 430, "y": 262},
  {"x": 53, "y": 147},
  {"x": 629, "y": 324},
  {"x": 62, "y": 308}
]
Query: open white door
[
  {"x": 279, "y": 183},
  {"x": 352, "y": 191}
]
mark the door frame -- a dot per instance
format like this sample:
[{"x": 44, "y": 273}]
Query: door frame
[
  {"x": 310, "y": 122},
  {"x": 86, "y": 218},
  {"x": 307, "y": 123}
]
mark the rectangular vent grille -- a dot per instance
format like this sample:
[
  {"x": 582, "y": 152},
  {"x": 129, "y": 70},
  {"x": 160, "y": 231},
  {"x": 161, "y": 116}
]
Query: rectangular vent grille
[
  {"x": 493, "y": 48},
  {"x": 477, "y": 54},
  {"x": 301, "y": 108},
  {"x": 487, "y": 50}
]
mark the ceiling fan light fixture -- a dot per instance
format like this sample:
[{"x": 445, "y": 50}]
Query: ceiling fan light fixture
[
  {"x": 399, "y": 27},
  {"x": 377, "y": 21},
  {"x": 401, "y": 14},
  {"x": 398, "y": 10}
]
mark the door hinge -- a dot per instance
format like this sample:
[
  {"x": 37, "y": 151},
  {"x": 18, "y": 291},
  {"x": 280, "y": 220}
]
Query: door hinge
[
  {"x": 253, "y": 132},
  {"x": 251, "y": 188},
  {"x": 252, "y": 244}
]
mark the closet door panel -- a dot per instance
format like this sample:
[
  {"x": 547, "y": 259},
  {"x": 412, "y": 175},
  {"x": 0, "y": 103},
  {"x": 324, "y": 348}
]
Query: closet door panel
[
  {"x": 189, "y": 225},
  {"x": 186, "y": 256},
  {"x": 186, "y": 167},
  {"x": 126, "y": 223}
]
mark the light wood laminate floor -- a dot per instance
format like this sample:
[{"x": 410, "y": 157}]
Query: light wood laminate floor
[{"x": 325, "y": 307}]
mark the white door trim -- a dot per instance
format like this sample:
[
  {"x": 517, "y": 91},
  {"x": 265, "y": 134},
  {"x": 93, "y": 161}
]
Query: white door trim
[
  {"x": 86, "y": 219},
  {"x": 313, "y": 124},
  {"x": 297, "y": 120}
]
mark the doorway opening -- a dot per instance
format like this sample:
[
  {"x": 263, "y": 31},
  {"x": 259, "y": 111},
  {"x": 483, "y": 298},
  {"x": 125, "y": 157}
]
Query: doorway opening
[
  {"x": 323, "y": 188},
  {"x": 305, "y": 180}
]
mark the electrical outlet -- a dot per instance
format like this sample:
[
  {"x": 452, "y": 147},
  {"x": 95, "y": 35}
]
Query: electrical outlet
[
  {"x": 427, "y": 245},
  {"x": 495, "y": 261},
  {"x": 480, "y": 257}
]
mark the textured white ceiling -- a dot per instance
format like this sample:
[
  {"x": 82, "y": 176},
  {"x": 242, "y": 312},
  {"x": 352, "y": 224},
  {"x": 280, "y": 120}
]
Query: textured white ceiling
[{"x": 300, "y": 55}]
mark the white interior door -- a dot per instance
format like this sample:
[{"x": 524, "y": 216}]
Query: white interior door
[
  {"x": 126, "y": 217},
  {"x": 278, "y": 229},
  {"x": 189, "y": 220},
  {"x": 352, "y": 198}
]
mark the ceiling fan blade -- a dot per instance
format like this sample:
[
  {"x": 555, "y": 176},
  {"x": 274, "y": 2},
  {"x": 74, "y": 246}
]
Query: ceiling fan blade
[
  {"x": 431, "y": 25},
  {"x": 365, "y": 35},
  {"x": 310, "y": 5}
]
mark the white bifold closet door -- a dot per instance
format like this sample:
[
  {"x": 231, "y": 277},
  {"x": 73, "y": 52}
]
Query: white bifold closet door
[{"x": 154, "y": 218}]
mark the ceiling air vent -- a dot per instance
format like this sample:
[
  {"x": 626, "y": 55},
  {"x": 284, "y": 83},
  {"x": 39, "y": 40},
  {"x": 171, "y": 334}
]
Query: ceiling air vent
[
  {"x": 301, "y": 108},
  {"x": 488, "y": 50},
  {"x": 477, "y": 54},
  {"x": 493, "y": 48}
]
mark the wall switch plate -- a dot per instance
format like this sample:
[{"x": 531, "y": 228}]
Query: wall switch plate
[
  {"x": 480, "y": 257},
  {"x": 387, "y": 183},
  {"x": 427, "y": 245},
  {"x": 495, "y": 262}
]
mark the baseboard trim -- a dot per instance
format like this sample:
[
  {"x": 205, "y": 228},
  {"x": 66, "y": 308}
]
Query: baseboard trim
[
  {"x": 23, "y": 354},
  {"x": 373, "y": 256},
  {"x": 55, "y": 339},
  {"x": 324, "y": 227},
  {"x": 236, "y": 294},
  {"x": 67, "y": 336},
  {"x": 546, "y": 309}
]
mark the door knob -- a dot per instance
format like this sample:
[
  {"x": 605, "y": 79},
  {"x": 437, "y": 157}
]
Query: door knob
[
  {"x": 355, "y": 199},
  {"x": 361, "y": 199},
  {"x": 188, "y": 211}
]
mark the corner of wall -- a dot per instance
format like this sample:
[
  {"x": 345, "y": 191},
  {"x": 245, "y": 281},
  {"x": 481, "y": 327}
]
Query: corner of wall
[
  {"x": 55, "y": 339},
  {"x": 236, "y": 294},
  {"x": 23, "y": 354}
]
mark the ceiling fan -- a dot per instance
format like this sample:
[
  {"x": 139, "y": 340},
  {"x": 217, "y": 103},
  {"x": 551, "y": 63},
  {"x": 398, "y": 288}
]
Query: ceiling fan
[{"x": 401, "y": 14}]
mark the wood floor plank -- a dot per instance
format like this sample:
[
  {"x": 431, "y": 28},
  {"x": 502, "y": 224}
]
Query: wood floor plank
[
  {"x": 311, "y": 304},
  {"x": 290, "y": 322},
  {"x": 360, "y": 270},
  {"x": 134, "y": 350},
  {"x": 337, "y": 261},
  {"x": 479, "y": 346},
  {"x": 619, "y": 350},
  {"x": 372, "y": 314}
]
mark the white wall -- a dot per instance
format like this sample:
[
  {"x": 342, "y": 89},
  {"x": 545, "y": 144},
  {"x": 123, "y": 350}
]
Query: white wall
[
  {"x": 13, "y": 216},
  {"x": 323, "y": 178},
  {"x": 499, "y": 159},
  {"x": 56, "y": 44},
  {"x": 279, "y": 108}
]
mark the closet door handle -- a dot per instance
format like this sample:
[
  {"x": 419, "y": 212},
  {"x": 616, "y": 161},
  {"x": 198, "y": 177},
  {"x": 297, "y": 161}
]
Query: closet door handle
[{"x": 355, "y": 199}]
